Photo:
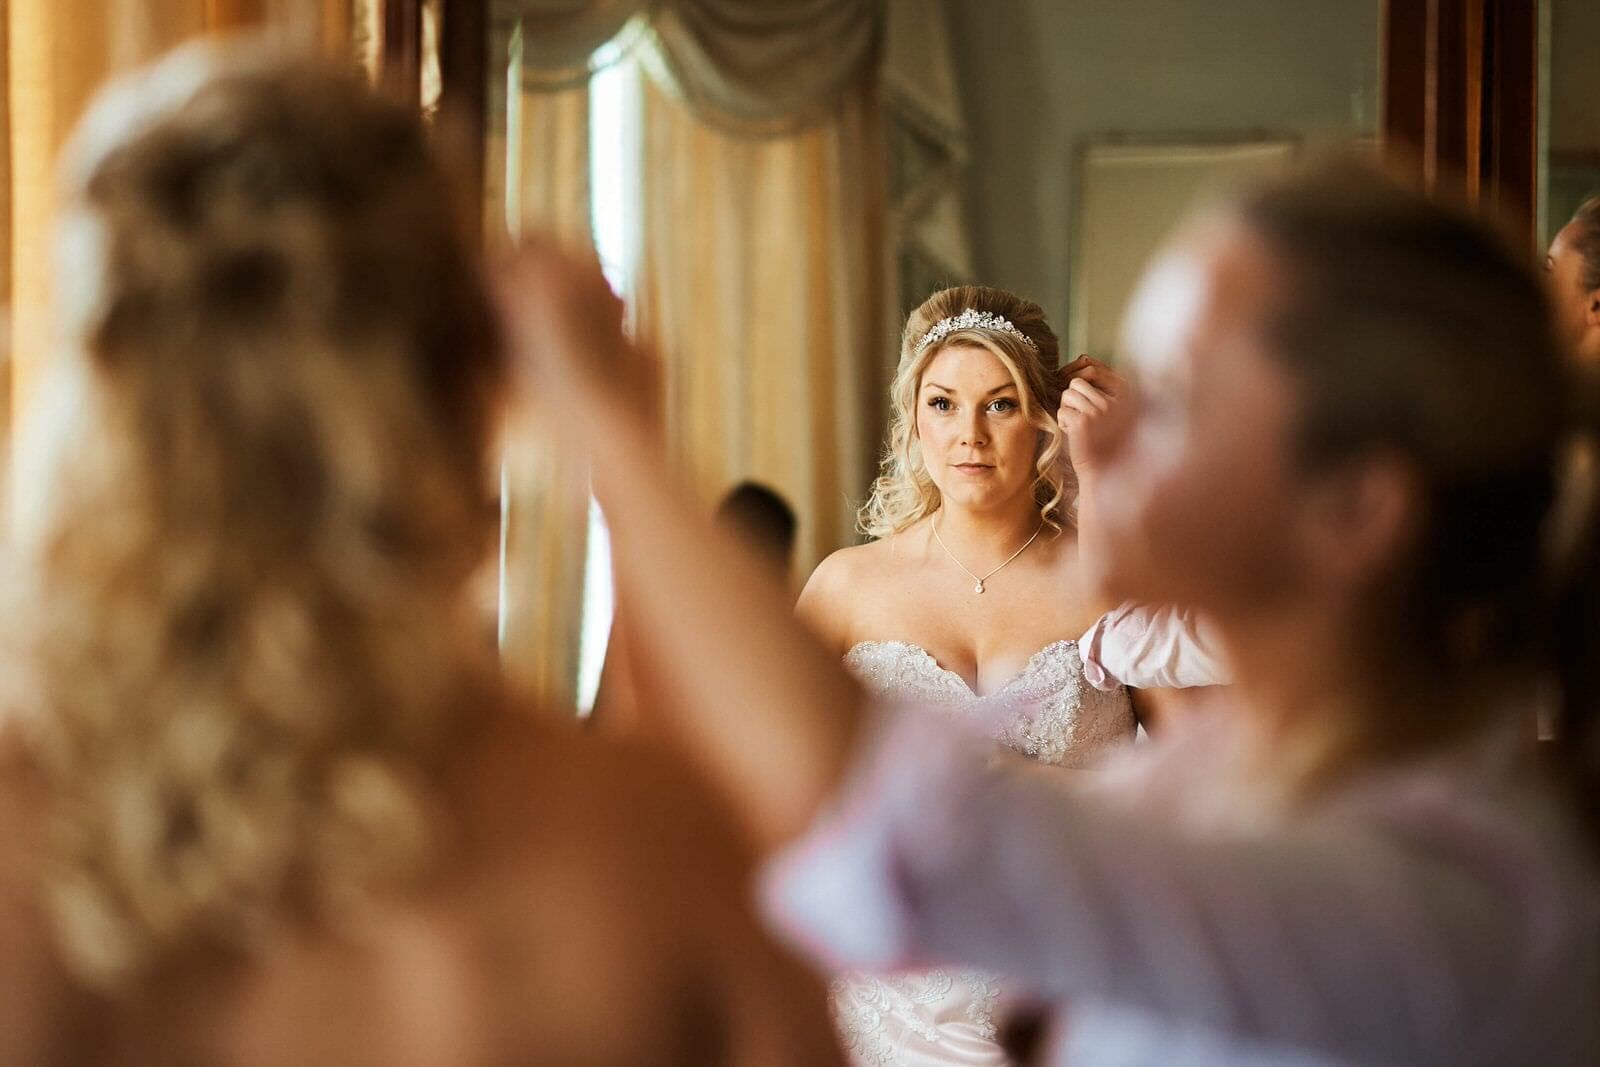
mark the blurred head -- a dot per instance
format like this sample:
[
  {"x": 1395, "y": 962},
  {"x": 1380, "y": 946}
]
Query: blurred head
[
  {"x": 252, "y": 533},
  {"x": 1349, "y": 407},
  {"x": 761, "y": 519},
  {"x": 1572, "y": 268},
  {"x": 973, "y": 417}
]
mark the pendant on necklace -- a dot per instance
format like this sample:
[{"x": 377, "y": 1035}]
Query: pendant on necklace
[{"x": 978, "y": 588}]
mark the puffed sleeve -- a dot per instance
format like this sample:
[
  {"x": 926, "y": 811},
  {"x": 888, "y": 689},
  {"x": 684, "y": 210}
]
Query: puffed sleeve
[{"x": 1152, "y": 648}]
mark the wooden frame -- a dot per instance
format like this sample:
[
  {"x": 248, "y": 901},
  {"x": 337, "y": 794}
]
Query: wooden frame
[
  {"x": 464, "y": 81},
  {"x": 400, "y": 48},
  {"x": 463, "y": 53},
  {"x": 1461, "y": 98}
]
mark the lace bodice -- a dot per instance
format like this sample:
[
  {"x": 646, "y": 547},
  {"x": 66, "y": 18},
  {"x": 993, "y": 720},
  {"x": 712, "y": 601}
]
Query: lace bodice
[{"x": 1049, "y": 712}]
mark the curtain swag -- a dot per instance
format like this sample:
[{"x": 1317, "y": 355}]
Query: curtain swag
[{"x": 747, "y": 67}]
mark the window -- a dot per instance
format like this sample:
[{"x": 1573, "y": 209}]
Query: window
[{"x": 614, "y": 138}]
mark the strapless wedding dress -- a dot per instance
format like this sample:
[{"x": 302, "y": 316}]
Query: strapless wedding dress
[{"x": 1049, "y": 711}]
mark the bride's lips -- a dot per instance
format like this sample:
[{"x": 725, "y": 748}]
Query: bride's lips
[{"x": 973, "y": 468}]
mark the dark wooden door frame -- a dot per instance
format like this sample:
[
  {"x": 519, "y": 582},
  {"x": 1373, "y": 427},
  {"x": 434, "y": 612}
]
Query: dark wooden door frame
[
  {"x": 464, "y": 81},
  {"x": 1460, "y": 99},
  {"x": 400, "y": 49},
  {"x": 463, "y": 75}
]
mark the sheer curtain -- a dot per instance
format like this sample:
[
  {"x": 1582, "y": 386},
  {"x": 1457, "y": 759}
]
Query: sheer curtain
[{"x": 761, "y": 284}]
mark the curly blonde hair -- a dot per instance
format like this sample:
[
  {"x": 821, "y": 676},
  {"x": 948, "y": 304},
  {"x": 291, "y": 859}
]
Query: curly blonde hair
[
  {"x": 247, "y": 623},
  {"x": 903, "y": 493}
]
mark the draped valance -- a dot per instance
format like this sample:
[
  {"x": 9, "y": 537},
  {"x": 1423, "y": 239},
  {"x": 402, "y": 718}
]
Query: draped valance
[
  {"x": 774, "y": 67},
  {"x": 760, "y": 67}
]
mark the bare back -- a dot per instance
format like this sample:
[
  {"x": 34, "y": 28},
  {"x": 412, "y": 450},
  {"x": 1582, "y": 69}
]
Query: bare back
[{"x": 592, "y": 909}]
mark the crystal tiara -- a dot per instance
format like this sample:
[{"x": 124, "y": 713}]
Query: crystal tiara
[{"x": 971, "y": 319}]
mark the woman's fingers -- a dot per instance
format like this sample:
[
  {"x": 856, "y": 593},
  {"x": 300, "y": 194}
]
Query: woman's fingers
[
  {"x": 1068, "y": 371},
  {"x": 1103, "y": 378},
  {"x": 1087, "y": 415},
  {"x": 561, "y": 319},
  {"x": 1085, "y": 397}
]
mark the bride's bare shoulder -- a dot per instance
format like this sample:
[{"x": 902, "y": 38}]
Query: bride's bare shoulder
[{"x": 845, "y": 580}]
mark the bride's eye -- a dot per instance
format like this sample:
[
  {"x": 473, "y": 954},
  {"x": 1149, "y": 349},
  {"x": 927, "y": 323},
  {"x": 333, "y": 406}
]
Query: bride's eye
[
  {"x": 939, "y": 403},
  {"x": 1004, "y": 404}
]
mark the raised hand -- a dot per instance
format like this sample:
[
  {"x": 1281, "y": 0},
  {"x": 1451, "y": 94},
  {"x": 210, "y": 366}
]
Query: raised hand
[
  {"x": 563, "y": 329},
  {"x": 1093, "y": 410}
]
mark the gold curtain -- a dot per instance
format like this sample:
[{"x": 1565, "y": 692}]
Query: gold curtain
[
  {"x": 57, "y": 54},
  {"x": 538, "y": 167},
  {"x": 761, "y": 282}
]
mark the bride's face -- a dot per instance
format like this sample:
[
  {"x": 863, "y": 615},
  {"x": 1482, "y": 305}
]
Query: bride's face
[{"x": 977, "y": 443}]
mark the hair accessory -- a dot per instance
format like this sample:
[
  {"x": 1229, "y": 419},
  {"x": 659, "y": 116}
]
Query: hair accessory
[{"x": 972, "y": 319}]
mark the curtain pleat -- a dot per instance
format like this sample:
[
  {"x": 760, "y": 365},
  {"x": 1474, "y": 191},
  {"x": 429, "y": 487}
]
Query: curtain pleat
[
  {"x": 760, "y": 284},
  {"x": 756, "y": 67}
]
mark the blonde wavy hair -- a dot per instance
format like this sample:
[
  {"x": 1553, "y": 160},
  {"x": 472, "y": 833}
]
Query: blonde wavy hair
[
  {"x": 247, "y": 625},
  {"x": 903, "y": 493}
]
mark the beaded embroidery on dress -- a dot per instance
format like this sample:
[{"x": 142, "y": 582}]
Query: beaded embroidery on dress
[{"x": 1049, "y": 712}]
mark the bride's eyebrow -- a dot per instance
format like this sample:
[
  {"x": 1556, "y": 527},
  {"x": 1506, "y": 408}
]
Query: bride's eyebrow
[{"x": 992, "y": 392}]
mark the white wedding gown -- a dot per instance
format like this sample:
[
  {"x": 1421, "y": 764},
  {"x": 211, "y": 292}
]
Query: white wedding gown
[{"x": 1049, "y": 711}]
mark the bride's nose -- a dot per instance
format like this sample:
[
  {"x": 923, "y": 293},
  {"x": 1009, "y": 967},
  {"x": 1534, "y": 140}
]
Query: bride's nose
[{"x": 973, "y": 433}]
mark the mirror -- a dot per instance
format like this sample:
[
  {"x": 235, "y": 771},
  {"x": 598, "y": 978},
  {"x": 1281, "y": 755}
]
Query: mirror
[{"x": 1570, "y": 111}]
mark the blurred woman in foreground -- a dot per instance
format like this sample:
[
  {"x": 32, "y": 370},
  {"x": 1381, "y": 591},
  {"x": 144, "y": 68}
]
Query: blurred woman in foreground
[
  {"x": 1342, "y": 450},
  {"x": 265, "y": 799}
]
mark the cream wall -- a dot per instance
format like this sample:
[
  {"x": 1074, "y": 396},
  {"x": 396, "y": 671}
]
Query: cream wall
[
  {"x": 1575, "y": 76},
  {"x": 1572, "y": 130},
  {"x": 1038, "y": 76}
]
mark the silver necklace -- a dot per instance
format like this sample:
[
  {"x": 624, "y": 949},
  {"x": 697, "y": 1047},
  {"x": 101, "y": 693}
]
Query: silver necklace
[{"x": 978, "y": 588}]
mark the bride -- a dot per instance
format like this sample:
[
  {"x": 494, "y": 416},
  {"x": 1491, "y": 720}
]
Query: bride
[{"x": 966, "y": 597}]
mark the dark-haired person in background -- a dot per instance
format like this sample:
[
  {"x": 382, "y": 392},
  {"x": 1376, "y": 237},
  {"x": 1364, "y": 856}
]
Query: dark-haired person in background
[
  {"x": 762, "y": 519},
  {"x": 764, "y": 524}
]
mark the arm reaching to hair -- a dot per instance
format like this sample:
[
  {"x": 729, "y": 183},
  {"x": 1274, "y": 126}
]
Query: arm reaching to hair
[{"x": 770, "y": 714}]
